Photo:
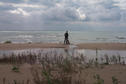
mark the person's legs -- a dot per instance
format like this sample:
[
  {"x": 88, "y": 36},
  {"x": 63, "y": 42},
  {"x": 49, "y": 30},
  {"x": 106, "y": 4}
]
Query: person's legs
[
  {"x": 68, "y": 42},
  {"x": 65, "y": 41}
]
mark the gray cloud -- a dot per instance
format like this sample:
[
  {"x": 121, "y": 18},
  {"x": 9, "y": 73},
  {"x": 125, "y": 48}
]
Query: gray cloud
[{"x": 44, "y": 14}]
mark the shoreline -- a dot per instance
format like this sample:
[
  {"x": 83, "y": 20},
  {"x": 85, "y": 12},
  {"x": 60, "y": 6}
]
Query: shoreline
[{"x": 93, "y": 46}]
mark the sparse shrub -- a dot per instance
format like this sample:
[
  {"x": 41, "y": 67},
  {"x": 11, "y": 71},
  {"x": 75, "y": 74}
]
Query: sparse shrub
[
  {"x": 8, "y": 41},
  {"x": 58, "y": 68},
  {"x": 106, "y": 59},
  {"x": 29, "y": 42},
  {"x": 115, "y": 80},
  {"x": 15, "y": 69},
  {"x": 96, "y": 63},
  {"x": 98, "y": 79}
]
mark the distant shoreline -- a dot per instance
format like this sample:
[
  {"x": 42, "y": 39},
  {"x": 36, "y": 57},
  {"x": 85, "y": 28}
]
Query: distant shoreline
[{"x": 94, "y": 46}]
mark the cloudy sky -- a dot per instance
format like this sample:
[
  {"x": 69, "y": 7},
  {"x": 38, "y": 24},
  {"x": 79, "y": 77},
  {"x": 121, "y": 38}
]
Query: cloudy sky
[{"x": 62, "y": 14}]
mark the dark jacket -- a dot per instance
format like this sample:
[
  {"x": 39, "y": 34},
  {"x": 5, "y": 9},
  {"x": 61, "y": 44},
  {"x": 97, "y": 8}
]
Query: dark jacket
[{"x": 66, "y": 35}]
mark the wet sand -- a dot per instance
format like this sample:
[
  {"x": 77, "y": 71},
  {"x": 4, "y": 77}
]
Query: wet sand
[
  {"x": 105, "y": 46},
  {"x": 18, "y": 46}
]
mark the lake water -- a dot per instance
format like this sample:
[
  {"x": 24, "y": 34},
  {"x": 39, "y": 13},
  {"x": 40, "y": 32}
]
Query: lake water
[{"x": 57, "y": 36}]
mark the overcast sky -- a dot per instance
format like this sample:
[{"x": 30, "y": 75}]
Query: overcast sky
[{"x": 62, "y": 14}]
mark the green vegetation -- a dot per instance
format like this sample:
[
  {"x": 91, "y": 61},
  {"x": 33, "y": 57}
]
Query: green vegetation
[
  {"x": 15, "y": 69},
  {"x": 7, "y": 42},
  {"x": 98, "y": 79},
  {"x": 115, "y": 80},
  {"x": 59, "y": 69}
]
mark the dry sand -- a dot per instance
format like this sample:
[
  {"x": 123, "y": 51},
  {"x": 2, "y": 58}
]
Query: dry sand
[
  {"x": 106, "y": 46},
  {"x": 118, "y": 71}
]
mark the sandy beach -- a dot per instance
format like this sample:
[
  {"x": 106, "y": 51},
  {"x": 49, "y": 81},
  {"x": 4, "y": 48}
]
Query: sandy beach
[
  {"x": 84, "y": 73},
  {"x": 25, "y": 74},
  {"x": 62, "y": 41},
  {"x": 104, "y": 46}
]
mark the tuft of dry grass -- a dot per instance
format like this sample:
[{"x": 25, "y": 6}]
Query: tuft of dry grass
[{"x": 58, "y": 68}]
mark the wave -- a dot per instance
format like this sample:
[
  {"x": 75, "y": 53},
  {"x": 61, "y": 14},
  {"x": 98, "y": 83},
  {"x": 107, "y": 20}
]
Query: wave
[
  {"x": 24, "y": 36},
  {"x": 10, "y": 31},
  {"x": 120, "y": 37},
  {"x": 48, "y": 36},
  {"x": 101, "y": 38}
]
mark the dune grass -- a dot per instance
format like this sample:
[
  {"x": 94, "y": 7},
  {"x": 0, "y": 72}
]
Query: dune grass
[{"x": 58, "y": 69}]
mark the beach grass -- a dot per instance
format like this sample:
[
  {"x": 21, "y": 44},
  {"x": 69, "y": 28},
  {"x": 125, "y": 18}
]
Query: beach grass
[
  {"x": 58, "y": 69},
  {"x": 8, "y": 41}
]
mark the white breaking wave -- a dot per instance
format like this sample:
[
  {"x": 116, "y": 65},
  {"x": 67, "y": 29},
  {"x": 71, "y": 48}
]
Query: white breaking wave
[
  {"x": 24, "y": 36},
  {"x": 48, "y": 36}
]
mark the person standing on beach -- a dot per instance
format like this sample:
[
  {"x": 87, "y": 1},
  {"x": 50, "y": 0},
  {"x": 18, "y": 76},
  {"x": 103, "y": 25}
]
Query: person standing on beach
[{"x": 66, "y": 40}]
